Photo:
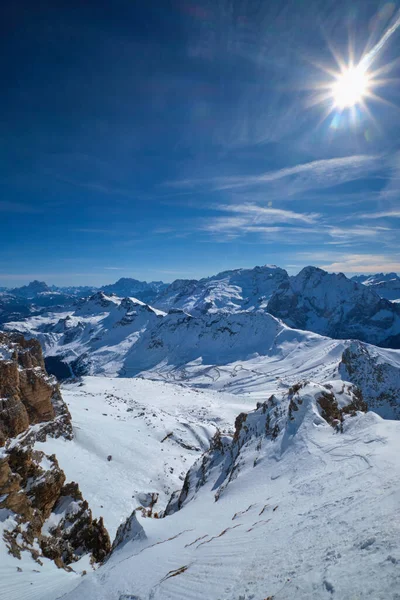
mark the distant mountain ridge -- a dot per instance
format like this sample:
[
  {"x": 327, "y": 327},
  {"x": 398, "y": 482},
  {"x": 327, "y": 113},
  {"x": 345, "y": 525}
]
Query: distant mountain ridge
[
  {"x": 126, "y": 287},
  {"x": 387, "y": 285},
  {"x": 338, "y": 307},
  {"x": 117, "y": 320},
  {"x": 239, "y": 289},
  {"x": 31, "y": 290}
]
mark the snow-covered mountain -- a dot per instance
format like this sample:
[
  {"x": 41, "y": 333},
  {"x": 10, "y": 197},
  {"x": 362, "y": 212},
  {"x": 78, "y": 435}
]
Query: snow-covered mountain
[
  {"x": 313, "y": 300},
  {"x": 32, "y": 299},
  {"x": 240, "y": 352},
  {"x": 387, "y": 285},
  {"x": 13, "y": 308},
  {"x": 376, "y": 372},
  {"x": 335, "y": 306},
  {"x": 240, "y": 289},
  {"x": 302, "y": 476},
  {"x": 300, "y": 503},
  {"x": 374, "y": 279},
  {"x": 37, "y": 296},
  {"x": 113, "y": 336},
  {"x": 127, "y": 287},
  {"x": 31, "y": 290}
]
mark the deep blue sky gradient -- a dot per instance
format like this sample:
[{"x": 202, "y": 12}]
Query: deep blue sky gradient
[{"x": 165, "y": 139}]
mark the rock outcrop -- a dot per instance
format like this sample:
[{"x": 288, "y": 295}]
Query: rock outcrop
[
  {"x": 129, "y": 531},
  {"x": 44, "y": 515},
  {"x": 28, "y": 396}
]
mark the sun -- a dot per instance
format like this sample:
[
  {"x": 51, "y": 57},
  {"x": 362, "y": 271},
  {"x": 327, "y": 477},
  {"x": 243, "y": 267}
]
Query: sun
[{"x": 350, "y": 87}]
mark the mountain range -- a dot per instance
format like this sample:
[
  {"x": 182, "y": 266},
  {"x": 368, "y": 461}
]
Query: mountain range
[
  {"x": 235, "y": 437},
  {"x": 219, "y": 320},
  {"x": 235, "y": 289}
]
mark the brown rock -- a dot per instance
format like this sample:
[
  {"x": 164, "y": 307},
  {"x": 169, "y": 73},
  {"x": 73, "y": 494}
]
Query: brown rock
[
  {"x": 27, "y": 394},
  {"x": 31, "y": 483}
]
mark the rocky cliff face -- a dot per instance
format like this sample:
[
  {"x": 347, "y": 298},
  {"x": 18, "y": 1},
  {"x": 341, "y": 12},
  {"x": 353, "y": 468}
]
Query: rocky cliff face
[
  {"x": 338, "y": 307},
  {"x": 28, "y": 396},
  {"x": 377, "y": 374},
  {"x": 43, "y": 514}
]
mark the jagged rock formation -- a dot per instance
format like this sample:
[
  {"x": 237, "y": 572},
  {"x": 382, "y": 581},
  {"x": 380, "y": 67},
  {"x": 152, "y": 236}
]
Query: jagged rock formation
[
  {"x": 43, "y": 515},
  {"x": 277, "y": 420},
  {"x": 129, "y": 531},
  {"x": 338, "y": 307},
  {"x": 28, "y": 396}
]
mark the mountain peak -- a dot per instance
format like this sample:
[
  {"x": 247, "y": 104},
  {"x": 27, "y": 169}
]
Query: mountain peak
[{"x": 31, "y": 290}]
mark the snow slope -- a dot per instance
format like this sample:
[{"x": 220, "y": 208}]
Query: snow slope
[
  {"x": 152, "y": 430},
  {"x": 328, "y": 487},
  {"x": 306, "y": 513}
]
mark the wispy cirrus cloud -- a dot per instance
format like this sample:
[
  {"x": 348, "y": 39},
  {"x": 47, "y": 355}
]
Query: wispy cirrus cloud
[
  {"x": 357, "y": 231},
  {"x": 269, "y": 215},
  {"x": 247, "y": 218},
  {"x": 385, "y": 214},
  {"x": 316, "y": 174},
  {"x": 289, "y": 227}
]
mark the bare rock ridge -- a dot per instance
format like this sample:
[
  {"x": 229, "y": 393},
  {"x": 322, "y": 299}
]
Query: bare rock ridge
[{"x": 44, "y": 515}]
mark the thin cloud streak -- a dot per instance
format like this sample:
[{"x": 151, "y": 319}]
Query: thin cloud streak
[
  {"x": 390, "y": 214},
  {"x": 271, "y": 215},
  {"x": 319, "y": 174}
]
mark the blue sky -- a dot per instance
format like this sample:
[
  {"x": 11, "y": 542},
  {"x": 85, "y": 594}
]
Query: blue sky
[{"x": 178, "y": 138}]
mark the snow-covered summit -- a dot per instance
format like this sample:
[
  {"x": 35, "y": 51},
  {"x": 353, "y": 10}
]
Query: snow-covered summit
[
  {"x": 239, "y": 289},
  {"x": 31, "y": 290},
  {"x": 127, "y": 286},
  {"x": 333, "y": 305}
]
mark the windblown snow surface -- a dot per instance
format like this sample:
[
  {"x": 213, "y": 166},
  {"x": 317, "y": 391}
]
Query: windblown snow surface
[{"x": 310, "y": 513}]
